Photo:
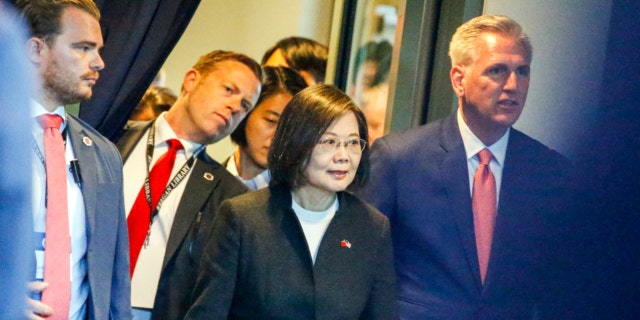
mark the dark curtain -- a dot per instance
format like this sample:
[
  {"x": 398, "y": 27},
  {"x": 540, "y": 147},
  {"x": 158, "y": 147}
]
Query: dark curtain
[{"x": 138, "y": 37}]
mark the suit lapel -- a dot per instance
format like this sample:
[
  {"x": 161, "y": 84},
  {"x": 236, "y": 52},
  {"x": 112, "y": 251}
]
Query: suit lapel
[
  {"x": 84, "y": 151},
  {"x": 199, "y": 188},
  {"x": 130, "y": 138},
  {"x": 280, "y": 206},
  {"x": 455, "y": 179}
]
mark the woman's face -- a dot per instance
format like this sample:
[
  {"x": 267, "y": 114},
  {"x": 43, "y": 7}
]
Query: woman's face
[
  {"x": 333, "y": 164},
  {"x": 261, "y": 126}
]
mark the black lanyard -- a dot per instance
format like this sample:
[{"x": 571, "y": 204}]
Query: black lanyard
[{"x": 184, "y": 170}]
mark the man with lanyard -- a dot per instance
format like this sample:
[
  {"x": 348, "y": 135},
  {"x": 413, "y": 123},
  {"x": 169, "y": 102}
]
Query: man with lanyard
[
  {"x": 78, "y": 215},
  {"x": 173, "y": 188}
]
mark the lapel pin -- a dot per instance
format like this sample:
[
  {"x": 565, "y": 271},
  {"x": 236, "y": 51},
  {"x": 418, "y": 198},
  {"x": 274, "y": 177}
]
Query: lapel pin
[
  {"x": 208, "y": 176},
  {"x": 87, "y": 142},
  {"x": 345, "y": 244}
]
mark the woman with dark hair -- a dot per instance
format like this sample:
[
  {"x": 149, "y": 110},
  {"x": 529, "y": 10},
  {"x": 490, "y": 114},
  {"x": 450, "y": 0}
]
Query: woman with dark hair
[
  {"x": 254, "y": 134},
  {"x": 304, "y": 248}
]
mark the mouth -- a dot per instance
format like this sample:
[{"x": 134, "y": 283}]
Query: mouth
[
  {"x": 224, "y": 118},
  {"x": 508, "y": 103},
  {"x": 91, "y": 78},
  {"x": 339, "y": 174}
]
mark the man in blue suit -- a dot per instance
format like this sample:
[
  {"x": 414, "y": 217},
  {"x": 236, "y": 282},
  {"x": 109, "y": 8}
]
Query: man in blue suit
[
  {"x": 463, "y": 252},
  {"x": 64, "y": 49}
]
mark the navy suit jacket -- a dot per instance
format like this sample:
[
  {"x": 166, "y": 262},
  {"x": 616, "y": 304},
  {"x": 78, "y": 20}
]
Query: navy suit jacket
[
  {"x": 419, "y": 179},
  {"x": 107, "y": 237},
  {"x": 258, "y": 265},
  {"x": 190, "y": 229}
]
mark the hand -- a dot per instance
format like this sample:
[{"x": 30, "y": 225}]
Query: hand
[{"x": 35, "y": 308}]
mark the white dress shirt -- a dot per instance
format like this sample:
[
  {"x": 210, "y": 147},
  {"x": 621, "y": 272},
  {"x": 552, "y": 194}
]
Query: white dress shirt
[
  {"x": 77, "y": 216},
  {"x": 473, "y": 145},
  {"x": 144, "y": 283},
  {"x": 258, "y": 182}
]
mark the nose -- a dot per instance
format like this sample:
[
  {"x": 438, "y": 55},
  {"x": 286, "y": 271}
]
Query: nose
[
  {"x": 511, "y": 83},
  {"x": 342, "y": 154},
  {"x": 97, "y": 64},
  {"x": 235, "y": 103}
]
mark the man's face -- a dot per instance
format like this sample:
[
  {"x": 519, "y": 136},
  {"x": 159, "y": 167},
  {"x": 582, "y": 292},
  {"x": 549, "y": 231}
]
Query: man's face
[
  {"x": 219, "y": 100},
  {"x": 71, "y": 61},
  {"x": 493, "y": 89}
]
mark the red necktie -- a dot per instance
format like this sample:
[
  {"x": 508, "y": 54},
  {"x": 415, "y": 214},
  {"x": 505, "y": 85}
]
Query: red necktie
[
  {"x": 139, "y": 220},
  {"x": 484, "y": 203},
  {"x": 57, "y": 271}
]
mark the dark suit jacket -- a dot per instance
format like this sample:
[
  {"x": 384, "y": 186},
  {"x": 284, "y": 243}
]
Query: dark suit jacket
[
  {"x": 190, "y": 228},
  {"x": 107, "y": 237},
  {"x": 419, "y": 179},
  {"x": 258, "y": 265}
]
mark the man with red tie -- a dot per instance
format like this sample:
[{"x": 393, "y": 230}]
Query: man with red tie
[
  {"x": 173, "y": 188},
  {"x": 474, "y": 204},
  {"x": 82, "y": 258}
]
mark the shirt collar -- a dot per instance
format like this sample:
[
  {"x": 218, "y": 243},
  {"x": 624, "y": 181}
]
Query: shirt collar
[
  {"x": 164, "y": 132},
  {"x": 257, "y": 182},
  {"x": 473, "y": 145},
  {"x": 37, "y": 110}
]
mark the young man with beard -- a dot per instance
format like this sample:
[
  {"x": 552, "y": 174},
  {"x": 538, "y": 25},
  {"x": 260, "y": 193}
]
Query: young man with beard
[{"x": 82, "y": 268}]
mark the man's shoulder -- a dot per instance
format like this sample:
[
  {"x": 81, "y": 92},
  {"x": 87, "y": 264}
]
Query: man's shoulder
[
  {"x": 424, "y": 137},
  {"x": 87, "y": 129},
  {"x": 523, "y": 143},
  {"x": 91, "y": 136},
  {"x": 527, "y": 150},
  {"x": 228, "y": 182}
]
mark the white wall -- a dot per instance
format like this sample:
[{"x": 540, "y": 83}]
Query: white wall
[
  {"x": 247, "y": 26},
  {"x": 569, "y": 40}
]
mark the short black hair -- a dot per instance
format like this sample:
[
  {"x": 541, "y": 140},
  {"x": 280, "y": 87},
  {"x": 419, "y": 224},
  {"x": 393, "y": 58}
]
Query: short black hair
[
  {"x": 276, "y": 80},
  {"x": 305, "y": 119},
  {"x": 302, "y": 54}
]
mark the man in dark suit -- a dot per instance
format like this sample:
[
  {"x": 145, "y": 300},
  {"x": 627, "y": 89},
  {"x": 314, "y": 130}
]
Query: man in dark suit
[
  {"x": 64, "y": 48},
  {"x": 169, "y": 218},
  {"x": 474, "y": 238}
]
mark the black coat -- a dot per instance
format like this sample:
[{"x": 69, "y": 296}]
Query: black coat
[
  {"x": 258, "y": 264},
  {"x": 191, "y": 226}
]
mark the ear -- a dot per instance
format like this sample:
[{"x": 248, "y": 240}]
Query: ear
[
  {"x": 190, "y": 81},
  {"x": 36, "y": 49},
  {"x": 457, "y": 74}
]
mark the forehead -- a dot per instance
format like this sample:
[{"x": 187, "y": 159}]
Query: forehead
[
  {"x": 344, "y": 124},
  {"x": 275, "y": 102},
  {"x": 79, "y": 26},
  {"x": 228, "y": 69},
  {"x": 491, "y": 46}
]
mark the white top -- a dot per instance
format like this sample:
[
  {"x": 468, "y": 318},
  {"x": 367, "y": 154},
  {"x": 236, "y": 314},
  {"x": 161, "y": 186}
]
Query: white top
[
  {"x": 258, "y": 182},
  {"x": 144, "y": 283},
  {"x": 473, "y": 145},
  {"x": 314, "y": 224},
  {"x": 77, "y": 216}
]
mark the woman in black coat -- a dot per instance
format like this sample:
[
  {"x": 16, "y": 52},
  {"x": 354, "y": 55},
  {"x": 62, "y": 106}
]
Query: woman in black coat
[{"x": 304, "y": 248}]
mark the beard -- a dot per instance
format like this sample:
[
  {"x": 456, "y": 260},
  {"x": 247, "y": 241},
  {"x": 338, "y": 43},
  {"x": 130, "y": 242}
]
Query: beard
[{"x": 65, "y": 87}]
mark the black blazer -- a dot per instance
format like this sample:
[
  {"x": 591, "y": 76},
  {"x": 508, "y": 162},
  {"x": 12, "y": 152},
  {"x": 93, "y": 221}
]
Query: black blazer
[
  {"x": 419, "y": 179},
  {"x": 258, "y": 265},
  {"x": 190, "y": 228}
]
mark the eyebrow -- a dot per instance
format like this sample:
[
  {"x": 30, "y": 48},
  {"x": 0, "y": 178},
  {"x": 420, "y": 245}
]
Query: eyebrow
[
  {"x": 88, "y": 43},
  {"x": 353, "y": 134}
]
